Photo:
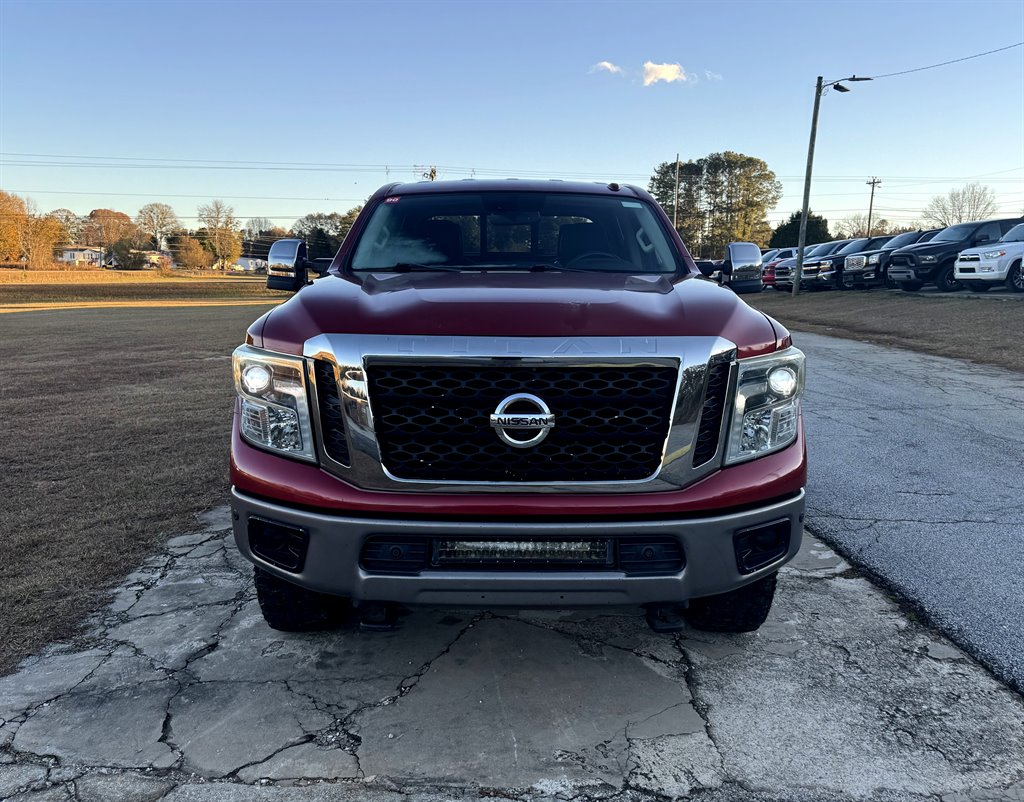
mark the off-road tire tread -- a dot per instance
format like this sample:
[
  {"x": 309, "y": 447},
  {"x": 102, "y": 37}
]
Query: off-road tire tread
[
  {"x": 289, "y": 608},
  {"x": 740, "y": 610}
]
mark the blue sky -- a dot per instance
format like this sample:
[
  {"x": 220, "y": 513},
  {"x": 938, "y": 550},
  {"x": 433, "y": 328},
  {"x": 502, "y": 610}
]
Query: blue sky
[{"x": 499, "y": 88}]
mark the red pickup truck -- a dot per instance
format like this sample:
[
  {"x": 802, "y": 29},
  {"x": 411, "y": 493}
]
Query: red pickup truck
[{"x": 515, "y": 393}]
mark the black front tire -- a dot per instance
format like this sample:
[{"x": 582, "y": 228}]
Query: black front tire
[
  {"x": 977, "y": 286},
  {"x": 911, "y": 286},
  {"x": 740, "y": 610},
  {"x": 945, "y": 280},
  {"x": 289, "y": 608},
  {"x": 1015, "y": 278}
]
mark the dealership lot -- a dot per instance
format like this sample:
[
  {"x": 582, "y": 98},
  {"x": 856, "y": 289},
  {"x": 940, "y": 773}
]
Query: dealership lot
[{"x": 179, "y": 691}]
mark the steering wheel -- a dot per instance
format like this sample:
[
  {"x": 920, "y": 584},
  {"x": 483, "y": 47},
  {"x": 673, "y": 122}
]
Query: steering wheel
[{"x": 593, "y": 255}]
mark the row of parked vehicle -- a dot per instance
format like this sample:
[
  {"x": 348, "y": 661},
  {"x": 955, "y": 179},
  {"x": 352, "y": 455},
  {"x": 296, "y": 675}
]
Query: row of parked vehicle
[{"x": 978, "y": 256}]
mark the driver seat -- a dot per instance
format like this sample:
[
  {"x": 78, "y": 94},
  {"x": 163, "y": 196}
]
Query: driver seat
[{"x": 576, "y": 239}]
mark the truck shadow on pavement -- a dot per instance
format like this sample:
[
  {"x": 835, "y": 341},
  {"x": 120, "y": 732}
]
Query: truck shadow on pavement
[{"x": 179, "y": 691}]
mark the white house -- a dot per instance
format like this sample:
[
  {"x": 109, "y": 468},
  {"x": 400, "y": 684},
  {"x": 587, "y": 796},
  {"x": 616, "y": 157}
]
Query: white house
[{"x": 82, "y": 254}]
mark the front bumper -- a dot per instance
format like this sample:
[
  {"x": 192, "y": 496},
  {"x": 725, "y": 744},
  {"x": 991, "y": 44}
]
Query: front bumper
[
  {"x": 984, "y": 270},
  {"x": 332, "y": 559}
]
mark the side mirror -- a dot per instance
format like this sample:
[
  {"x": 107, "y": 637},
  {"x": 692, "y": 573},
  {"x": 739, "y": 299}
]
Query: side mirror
[
  {"x": 741, "y": 271},
  {"x": 286, "y": 265},
  {"x": 744, "y": 261},
  {"x": 705, "y": 266}
]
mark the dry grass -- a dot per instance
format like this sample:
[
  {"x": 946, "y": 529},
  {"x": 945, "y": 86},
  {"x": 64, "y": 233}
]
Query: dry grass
[
  {"x": 984, "y": 330},
  {"x": 73, "y": 275},
  {"x": 154, "y": 289},
  {"x": 116, "y": 433}
]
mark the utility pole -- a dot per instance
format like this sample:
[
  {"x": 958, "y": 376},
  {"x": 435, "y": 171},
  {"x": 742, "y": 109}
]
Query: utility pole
[
  {"x": 798, "y": 272},
  {"x": 874, "y": 182},
  {"x": 675, "y": 209}
]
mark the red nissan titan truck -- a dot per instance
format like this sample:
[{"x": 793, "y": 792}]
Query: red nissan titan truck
[{"x": 515, "y": 393}]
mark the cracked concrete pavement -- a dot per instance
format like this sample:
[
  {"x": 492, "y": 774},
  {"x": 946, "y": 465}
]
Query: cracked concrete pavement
[
  {"x": 179, "y": 692},
  {"x": 915, "y": 473}
]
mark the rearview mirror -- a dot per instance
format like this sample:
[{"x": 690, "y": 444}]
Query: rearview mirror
[{"x": 286, "y": 265}]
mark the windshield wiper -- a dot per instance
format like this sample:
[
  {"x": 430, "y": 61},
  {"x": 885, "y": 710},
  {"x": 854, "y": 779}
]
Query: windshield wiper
[
  {"x": 408, "y": 267},
  {"x": 540, "y": 267}
]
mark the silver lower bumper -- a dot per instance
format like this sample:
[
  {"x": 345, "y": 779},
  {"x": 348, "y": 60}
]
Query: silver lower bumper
[{"x": 332, "y": 559}]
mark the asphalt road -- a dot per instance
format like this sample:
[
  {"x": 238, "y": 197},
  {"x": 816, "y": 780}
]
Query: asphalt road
[{"x": 916, "y": 473}]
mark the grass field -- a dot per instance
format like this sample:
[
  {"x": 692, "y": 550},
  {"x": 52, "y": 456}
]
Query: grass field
[
  {"x": 116, "y": 432},
  {"x": 174, "y": 289},
  {"x": 117, "y": 425}
]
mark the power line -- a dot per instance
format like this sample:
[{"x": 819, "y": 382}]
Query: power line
[{"x": 944, "y": 63}]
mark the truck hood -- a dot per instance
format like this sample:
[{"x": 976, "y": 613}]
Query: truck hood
[
  {"x": 932, "y": 247},
  {"x": 1009, "y": 247},
  {"x": 517, "y": 305}
]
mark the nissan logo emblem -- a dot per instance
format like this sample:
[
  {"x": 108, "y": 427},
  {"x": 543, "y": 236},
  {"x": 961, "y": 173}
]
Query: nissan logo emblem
[{"x": 536, "y": 421}]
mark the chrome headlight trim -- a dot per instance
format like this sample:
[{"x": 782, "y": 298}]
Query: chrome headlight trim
[
  {"x": 754, "y": 396},
  {"x": 281, "y": 411}
]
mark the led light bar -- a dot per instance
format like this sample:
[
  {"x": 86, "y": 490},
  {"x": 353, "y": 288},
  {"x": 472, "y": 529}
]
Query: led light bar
[{"x": 597, "y": 552}]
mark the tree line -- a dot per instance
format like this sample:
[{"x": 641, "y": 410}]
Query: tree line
[
  {"x": 30, "y": 237},
  {"x": 725, "y": 197}
]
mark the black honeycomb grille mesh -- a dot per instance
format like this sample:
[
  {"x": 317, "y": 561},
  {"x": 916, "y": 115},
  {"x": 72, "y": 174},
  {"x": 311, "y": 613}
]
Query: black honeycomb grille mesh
[
  {"x": 711, "y": 414},
  {"x": 433, "y": 421},
  {"x": 332, "y": 420}
]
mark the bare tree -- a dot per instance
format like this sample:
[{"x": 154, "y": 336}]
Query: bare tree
[
  {"x": 856, "y": 225},
  {"x": 71, "y": 225},
  {"x": 973, "y": 202},
  {"x": 257, "y": 226},
  {"x": 158, "y": 220},
  {"x": 39, "y": 236},
  {"x": 221, "y": 232}
]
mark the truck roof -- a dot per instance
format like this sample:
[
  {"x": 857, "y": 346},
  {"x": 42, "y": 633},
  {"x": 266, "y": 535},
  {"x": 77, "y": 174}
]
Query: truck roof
[{"x": 512, "y": 184}]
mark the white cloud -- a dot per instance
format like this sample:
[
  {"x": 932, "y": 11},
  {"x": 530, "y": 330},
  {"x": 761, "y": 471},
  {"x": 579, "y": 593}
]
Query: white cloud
[
  {"x": 669, "y": 73},
  {"x": 615, "y": 69},
  {"x": 712, "y": 76}
]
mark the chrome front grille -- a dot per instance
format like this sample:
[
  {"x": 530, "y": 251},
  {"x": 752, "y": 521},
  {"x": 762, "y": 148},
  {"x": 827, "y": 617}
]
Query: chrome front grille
[
  {"x": 432, "y": 421},
  {"x": 414, "y": 413},
  {"x": 855, "y": 262}
]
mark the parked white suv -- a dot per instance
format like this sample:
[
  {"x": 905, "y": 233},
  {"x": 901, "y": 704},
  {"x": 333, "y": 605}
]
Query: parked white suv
[{"x": 991, "y": 264}]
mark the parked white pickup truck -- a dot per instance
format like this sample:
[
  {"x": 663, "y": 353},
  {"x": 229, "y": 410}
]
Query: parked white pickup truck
[{"x": 991, "y": 264}]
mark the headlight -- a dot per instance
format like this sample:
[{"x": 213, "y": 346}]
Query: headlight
[
  {"x": 929, "y": 258},
  {"x": 275, "y": 409},
  {"x": 993, "y": 254},
  {"x": 873, "y": 259},
  {"x": 766, "y": 412}
]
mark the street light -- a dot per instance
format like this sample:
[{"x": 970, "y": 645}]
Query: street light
[{"x": 818, "y": 89}]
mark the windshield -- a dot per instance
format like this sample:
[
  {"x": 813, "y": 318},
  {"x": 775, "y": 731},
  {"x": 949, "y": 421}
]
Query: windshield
[
  {"x": 908, "y": 238},
  {"x": 515, "y": 231},
  {"x": 1015, "y": 234},
  {"x": 831, "y": 247},
  {"x": 853, "y": 246},
  {"x": 955, "y": 233}
]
